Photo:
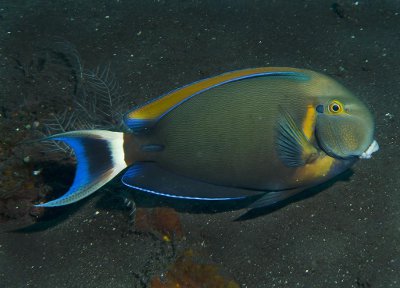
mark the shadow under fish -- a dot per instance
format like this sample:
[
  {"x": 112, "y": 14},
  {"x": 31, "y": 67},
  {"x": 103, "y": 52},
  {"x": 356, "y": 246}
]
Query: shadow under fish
[{"x": 264, "y": 134}]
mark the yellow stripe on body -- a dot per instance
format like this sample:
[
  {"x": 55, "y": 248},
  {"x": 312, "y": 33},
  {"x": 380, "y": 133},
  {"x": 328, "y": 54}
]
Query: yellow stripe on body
[
  {"x": 320, "y": 167},
  {"x": 158, "y": 107},
  {"x": 309, "y": 121}
]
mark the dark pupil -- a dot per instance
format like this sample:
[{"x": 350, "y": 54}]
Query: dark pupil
[{"x": 335, "y": 107}]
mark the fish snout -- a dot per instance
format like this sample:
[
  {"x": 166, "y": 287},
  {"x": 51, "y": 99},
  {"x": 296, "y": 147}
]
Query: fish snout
[{"x": 367, "y": 154}]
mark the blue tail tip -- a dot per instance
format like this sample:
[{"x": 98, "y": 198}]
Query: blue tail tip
[{"x": 47, "y": 204}]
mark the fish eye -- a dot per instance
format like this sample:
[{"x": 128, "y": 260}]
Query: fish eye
[{"x": 335, "y": 107}]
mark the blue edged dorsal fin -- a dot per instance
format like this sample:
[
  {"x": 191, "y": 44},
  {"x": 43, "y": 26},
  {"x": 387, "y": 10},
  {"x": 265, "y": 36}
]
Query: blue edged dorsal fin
[
  {"x": 149, "y": 177},
  {"x": 145, "y": 116}
]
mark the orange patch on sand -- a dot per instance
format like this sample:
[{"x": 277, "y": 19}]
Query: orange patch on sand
[
  {"x": 185, "y": 273},
  {"x": 164, "y": 222}
]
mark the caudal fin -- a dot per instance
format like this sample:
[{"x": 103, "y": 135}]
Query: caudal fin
[{"x": 100, "y": 157}]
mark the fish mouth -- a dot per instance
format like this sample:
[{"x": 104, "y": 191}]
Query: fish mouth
[{"x": 371, "y": 149}]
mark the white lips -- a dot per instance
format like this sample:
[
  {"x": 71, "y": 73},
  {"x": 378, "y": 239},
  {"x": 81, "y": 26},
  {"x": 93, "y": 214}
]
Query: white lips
[{"x": 371, "y": 149}]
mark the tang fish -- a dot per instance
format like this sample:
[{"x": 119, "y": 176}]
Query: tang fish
[{"x": 271, "y": 132}]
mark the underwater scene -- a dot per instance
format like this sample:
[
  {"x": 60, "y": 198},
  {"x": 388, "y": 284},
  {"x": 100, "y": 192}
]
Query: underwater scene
[{"x": 209, "y": 144}]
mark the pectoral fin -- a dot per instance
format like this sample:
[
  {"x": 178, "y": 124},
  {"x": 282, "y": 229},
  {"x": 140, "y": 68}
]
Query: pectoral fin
[{"x": 294, "y": 149}]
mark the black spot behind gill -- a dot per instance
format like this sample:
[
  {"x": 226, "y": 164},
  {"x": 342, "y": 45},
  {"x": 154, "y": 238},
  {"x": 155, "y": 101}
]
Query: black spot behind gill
[{"x": 320, "y": 108}]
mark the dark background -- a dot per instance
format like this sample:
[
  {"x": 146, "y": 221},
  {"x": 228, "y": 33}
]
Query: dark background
[{"x": 346, "y": 236}]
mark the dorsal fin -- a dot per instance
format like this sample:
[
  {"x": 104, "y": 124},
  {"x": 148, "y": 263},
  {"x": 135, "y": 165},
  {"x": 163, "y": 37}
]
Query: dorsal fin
[{"x": 145, "y": 116}]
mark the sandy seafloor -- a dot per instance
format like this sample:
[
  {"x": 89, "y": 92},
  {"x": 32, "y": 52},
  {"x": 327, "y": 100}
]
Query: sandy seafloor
[{"x": 348, "y": 235}]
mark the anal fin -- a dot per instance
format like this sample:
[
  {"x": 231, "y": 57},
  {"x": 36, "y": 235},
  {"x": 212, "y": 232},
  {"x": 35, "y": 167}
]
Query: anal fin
[{"x": 149, "y": 177}]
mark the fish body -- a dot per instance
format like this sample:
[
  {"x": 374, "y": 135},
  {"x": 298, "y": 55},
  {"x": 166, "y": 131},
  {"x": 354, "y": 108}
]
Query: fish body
[{"x": 266, "y": 131}]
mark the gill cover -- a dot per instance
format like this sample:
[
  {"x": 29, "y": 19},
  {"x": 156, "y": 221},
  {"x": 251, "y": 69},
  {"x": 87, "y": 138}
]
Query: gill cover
[{"x": 344, "y": 127}]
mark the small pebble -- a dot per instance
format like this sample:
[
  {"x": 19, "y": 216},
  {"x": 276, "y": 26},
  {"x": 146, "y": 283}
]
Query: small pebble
[
  {"x": 37, "y": 172},
  {"x": 390, "y": 116}
]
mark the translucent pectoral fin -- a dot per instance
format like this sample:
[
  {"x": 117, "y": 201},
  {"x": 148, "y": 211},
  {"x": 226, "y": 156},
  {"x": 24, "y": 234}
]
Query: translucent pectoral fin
[{"x": 294, "y": 149}]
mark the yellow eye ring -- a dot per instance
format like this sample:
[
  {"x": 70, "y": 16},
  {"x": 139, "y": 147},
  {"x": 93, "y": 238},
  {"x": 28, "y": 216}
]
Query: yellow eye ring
[{"x": 335, "y": 107}]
